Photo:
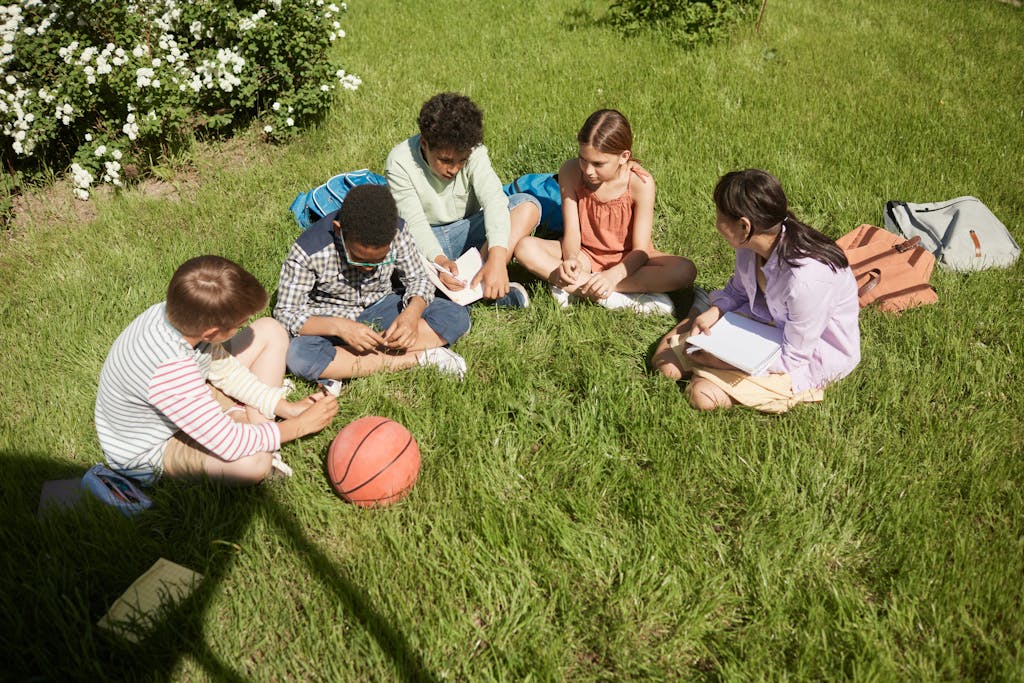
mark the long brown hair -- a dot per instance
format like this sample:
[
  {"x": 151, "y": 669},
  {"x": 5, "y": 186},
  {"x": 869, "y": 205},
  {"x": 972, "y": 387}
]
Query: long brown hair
[
  {"x": 607, "y": 131},
  {"x": 758, "y": 196}
]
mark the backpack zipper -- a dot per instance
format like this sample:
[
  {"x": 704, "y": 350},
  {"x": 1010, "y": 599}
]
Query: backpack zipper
[{"x": 940, "y": 208}]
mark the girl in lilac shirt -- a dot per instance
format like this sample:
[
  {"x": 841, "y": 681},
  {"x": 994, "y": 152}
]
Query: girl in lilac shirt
[{"x": 787, "y": 274}]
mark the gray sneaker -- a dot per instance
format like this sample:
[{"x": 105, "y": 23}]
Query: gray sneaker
[
  {"x": 516, "y": 297},
  {"x": 701, "y": 299},
  {"x": 445, "y": 360}
]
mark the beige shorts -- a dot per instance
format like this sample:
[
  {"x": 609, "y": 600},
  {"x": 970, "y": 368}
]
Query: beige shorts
[
  {"x": 769, "y": 393},
  {"x": 183, "y": 456}
]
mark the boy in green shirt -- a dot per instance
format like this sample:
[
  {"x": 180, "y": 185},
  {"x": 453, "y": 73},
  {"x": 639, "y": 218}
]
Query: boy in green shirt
[{"x": 452, "y": 200}]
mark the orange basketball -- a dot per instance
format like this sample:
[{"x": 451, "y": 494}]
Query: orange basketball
[{"x": 373, "y": 461}]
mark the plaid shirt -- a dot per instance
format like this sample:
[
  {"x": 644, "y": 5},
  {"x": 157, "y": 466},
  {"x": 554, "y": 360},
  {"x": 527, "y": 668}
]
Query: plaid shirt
[{"x": 317, "y": 281}]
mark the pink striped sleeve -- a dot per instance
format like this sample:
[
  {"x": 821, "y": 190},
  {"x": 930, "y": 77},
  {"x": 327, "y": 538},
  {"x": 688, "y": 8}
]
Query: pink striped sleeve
[{"x": 179, "y": 391}]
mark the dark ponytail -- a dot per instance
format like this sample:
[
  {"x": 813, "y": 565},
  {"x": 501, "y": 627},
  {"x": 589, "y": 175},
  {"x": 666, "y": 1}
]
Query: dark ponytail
[{"x": 758, "y": 196}]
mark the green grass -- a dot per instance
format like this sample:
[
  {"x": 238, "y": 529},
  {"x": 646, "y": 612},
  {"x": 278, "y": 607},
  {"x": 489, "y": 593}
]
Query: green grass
[{"x": 574, "y": 519}]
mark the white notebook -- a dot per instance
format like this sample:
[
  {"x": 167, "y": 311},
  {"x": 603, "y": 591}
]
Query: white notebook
[
  {"x": 745, "y": 344},
  {"x": 469, "y": 264}
]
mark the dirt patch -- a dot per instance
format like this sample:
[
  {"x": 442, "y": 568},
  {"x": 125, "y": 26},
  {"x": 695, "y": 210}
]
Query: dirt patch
[
  {"x": 54, "y": 205},
  {"x": 50, "y": 205}
]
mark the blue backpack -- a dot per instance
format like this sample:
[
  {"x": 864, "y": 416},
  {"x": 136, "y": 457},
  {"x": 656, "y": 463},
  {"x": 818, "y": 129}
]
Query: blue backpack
[
  {"x": 543, "y": 186},
  {"x": 310, "y": 206}
]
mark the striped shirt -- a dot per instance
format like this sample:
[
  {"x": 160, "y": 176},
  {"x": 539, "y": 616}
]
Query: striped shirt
[
  {"x": 317, "y": 281},
  {"x": 154, "y": 384}
]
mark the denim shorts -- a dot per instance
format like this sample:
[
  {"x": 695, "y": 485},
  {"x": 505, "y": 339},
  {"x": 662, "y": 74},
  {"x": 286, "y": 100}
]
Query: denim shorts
[
  {"x": 309, "y": 355},
  {"x": 457, "y": 237}
]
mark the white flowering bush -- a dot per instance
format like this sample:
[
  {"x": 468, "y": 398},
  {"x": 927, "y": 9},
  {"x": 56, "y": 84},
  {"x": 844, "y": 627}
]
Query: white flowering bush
[{"x": 101, "y": 86}]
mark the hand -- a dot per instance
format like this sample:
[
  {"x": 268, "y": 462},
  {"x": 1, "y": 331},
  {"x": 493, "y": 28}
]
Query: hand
[
  {"x": 703, "y": 323},
  {"x": 599, "y": 285},
  {"x": 288, "y": 409},
  {"x": 446, "y": 279},
  {"x": 312, "y": 419},
  {"x": 494, "y": 276},
  {"x": 570, "y": 271},
  {"x": 639, "y": 171},
  {"x": 361, "y": 338},
  {"x": 404, "y": 332}
]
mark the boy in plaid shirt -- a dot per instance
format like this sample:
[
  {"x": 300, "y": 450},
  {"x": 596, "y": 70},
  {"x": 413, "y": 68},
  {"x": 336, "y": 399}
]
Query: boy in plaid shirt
[{"x": 337, "y": 298}]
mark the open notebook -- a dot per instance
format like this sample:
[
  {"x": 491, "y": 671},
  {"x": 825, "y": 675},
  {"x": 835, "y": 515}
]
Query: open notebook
[
  {"x": 745, "y": 344},
  {"x": 469, "y": 264}
]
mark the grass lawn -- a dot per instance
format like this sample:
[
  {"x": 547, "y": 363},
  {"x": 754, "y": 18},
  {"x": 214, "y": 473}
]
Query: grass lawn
[{"x": 574, "y": 519}]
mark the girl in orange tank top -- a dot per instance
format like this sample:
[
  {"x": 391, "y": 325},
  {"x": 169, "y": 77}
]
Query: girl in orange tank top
[{"x": 606, "y": 254}]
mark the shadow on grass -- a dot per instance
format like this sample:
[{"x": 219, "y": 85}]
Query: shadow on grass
[{"x": 60, "y": 573}]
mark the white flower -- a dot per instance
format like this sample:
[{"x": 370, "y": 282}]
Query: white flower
[
  {"x": 116, "y": 154},
  {"x": 101, "y": 150},
  {"x": 290, "y": 121},
  {"x": 268, "y": 129},
  {"x": 276, "y": 106},
  {"x": 88, "y": 137}
]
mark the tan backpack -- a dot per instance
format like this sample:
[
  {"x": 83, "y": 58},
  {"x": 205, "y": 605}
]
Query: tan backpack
[{"x": 892, "y": 272}]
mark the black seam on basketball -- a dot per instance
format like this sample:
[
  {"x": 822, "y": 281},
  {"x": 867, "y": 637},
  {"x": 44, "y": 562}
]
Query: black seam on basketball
[
  {"x": 355, "y": 450},
  {"x": 382, "y": 469}
]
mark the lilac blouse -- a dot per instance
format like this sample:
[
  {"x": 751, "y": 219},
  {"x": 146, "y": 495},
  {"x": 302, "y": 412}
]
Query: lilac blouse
[{"x": 816, "y": 308}]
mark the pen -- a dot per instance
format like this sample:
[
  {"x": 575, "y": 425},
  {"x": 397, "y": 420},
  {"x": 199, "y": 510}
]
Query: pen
[{"x": 442, "y": 269}]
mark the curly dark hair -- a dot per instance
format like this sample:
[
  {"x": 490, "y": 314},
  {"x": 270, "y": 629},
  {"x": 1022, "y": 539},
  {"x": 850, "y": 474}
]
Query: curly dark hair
[
  {"x": 368, "y": 215},
  {"x": 451, "y": 121}
]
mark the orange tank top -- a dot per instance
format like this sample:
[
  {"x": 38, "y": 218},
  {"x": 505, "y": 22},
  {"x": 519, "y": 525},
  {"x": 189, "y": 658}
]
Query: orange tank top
[{"x": 606, "y": 228}]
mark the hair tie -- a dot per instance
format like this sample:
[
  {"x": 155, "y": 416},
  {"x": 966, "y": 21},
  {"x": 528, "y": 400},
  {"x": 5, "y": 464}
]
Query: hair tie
[{"x": 784, "y": 222}]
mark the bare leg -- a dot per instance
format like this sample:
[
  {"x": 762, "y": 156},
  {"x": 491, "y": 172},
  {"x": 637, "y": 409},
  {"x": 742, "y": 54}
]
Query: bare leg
[
  {"x": 251, "y": 469},
  {"x": 261, "y": 347},
  {"x": 524, "y": 218},
  {"x": 540, "y": 257},
  {"x": 705, "y": 395},
  {"x": 661, "y": 273},
  {"x": 664, "y": 359}
]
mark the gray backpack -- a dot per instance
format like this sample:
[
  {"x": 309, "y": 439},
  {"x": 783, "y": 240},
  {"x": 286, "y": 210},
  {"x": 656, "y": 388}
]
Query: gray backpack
[{"x": 962, "y": 233}]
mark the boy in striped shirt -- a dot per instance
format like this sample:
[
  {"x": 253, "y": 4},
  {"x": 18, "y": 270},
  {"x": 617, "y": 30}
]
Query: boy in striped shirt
[{"x": 184, "y": 393}]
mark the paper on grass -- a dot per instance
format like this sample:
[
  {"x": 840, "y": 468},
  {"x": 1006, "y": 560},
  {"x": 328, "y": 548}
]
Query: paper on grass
[
  {"x": 59, "y": 494},
  {"x": 468, "y": 265},
  {"x": 745, "y": 344},
  {"x": 163, "y": 584}
]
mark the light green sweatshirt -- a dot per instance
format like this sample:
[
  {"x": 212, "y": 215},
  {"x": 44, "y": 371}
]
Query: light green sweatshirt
[{"x": 424, "y": 200}]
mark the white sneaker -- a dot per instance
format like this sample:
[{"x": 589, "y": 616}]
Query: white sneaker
[
  {"x": 280, "y": 469},
  {"x": 561, "y": 297},
  {"x": 445, "y": 360},
  {"x": 616, "y": 300},
  {"x": 332, "y": 386},
  {"x": 644, "y": 303},
  {"x": 652, "y": 303}
]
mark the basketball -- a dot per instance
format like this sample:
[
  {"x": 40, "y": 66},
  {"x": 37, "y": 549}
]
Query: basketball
[{"x": 373, "y": 461}]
